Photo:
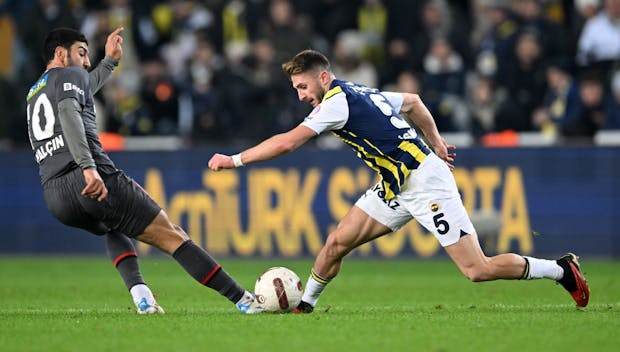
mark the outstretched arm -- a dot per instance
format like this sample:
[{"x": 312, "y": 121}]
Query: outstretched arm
[
  {"x": 415, "y": 109},
  {"x": 268, "y": 149},
  {"x": 113, "y": 53}
]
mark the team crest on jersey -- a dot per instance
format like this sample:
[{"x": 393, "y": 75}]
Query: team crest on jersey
[{"x": 434, "y": 207}]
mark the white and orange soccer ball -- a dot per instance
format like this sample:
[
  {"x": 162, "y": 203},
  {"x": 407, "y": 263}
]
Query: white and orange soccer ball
[{"x": 279, "y": 289}]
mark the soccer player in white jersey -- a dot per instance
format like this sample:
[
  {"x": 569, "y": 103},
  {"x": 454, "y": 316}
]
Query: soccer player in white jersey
[{"x": 415, "y": 180}]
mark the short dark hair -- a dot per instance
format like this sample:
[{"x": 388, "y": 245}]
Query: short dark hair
[
  {"x": 64, "y": 37},
  {"x": 305, "y": 61}
]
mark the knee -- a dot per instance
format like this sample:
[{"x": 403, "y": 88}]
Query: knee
[
  {"x": 180, "y": 232},
  {"x": 476, "y": 273},
  {"x": 164, "y": 235}
]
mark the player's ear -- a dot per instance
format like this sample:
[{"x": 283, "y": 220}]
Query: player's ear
[
  {"x": 60, "y": 52},
  {"x": 324, "y": 75}
]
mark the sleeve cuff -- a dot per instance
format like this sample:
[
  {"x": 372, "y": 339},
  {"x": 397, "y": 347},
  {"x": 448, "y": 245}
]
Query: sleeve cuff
[{"x": 110, "y": 61}]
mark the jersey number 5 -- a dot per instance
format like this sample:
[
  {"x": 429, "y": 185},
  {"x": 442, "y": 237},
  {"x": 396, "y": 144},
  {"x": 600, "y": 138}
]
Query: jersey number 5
[{"x": 442, "y": 225}]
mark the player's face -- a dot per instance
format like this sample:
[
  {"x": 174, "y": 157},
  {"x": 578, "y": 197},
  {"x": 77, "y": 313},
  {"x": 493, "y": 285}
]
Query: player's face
[
  {"x": 310, "y": 86},
  {"x": 78, "y": 55}
]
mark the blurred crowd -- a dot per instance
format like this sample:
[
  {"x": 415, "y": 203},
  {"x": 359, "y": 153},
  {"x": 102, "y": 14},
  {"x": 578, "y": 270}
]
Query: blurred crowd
[{"x": 209, "y": 71}]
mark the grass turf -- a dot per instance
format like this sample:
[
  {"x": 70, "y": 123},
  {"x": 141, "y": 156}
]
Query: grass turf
[{"x": 77, "y": 304}]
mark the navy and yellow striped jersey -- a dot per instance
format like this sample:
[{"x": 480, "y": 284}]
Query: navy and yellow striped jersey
[{"x": 371, "y": 125}]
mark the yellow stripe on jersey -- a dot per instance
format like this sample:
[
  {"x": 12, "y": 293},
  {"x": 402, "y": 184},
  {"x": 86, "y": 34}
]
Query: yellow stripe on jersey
[
  {"x": 413, "y": 149},
  {"x": 330, "y": 93},
  {"x": 383, "y": 161}
]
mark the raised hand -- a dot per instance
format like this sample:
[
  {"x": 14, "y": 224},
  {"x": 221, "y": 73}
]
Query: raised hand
[{"x": 113, "y": 45}]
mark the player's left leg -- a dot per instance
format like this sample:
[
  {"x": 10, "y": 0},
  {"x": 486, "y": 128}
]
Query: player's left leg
[
  {"x": 476, "y": 266},
  {"x": 472, "y": 262},
  {"x": 434, "y": 201},
  {"x": 130, "y": 210},
  {"x": 170, "y": 238},
  {"x": 124, "y": 256}
]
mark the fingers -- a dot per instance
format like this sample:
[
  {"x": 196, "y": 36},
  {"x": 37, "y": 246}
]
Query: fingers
[
  {"x": 114, "y": 37},
  {"x": 103, "y": 194},
  {"x": 218, "y": 162},
  {"x": 95, "y": 189},
  {"x": 116, "y": 32}
]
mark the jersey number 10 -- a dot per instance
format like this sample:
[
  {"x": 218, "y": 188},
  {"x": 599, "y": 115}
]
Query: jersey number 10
[{"x": 34, "y": 120}]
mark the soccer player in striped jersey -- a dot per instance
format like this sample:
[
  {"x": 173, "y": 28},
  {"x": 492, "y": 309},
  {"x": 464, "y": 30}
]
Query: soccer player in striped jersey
[
  {"x": 415, "y": 180},
  {"x": 82, "y": 187}
]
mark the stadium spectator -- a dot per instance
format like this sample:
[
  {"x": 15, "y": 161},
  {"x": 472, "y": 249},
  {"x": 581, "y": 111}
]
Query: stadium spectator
[
  {"x": 348, "y": 61},
  {"x": 208, "y": 124},
  {"x": 444, "y": 85},
  {"x": 372, "y": 26},
  {"x": 525, "y": 82},
  {"x": 599, "y": 42},
  {"x": 561, "y": 103},
  {"x": 591, "y": 116},
  {"x": 494, "y": 53},
  {"x": 407, "y": 82},
  {"x": 438, "y": 21},
  {"x": 483, "y": 103},
  {"x": 584, "y": 10},
  {"x": 267, "y": 92},
  {"x": 398, "y": 59},
  {"x": 288, "y": 31},
  {"x": 553, "y": 40},
  {"x": 159, "y": 94}
]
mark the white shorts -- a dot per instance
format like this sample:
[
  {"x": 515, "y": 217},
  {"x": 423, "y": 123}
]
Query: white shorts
[{"x": 430, "y": 196}]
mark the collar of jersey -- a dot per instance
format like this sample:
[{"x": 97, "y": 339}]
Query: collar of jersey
[{"x": 330, "y": 93}]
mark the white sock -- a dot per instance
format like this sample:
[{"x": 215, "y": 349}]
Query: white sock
[
  {"x": 313, "y": 290},
  {"x": 246, "y": 298},
  {"x": 544, "y": 268},
  {"x": 141, "y": 290}
]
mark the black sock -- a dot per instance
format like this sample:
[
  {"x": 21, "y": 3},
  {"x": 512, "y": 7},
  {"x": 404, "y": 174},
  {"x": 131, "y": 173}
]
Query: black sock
[
  {"x": 125, "y": 258},
  {"x": 204, "y": 269}
]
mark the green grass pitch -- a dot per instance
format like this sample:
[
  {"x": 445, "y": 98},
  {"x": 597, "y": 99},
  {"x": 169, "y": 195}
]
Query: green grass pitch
[{"x": 80, "y": 304}]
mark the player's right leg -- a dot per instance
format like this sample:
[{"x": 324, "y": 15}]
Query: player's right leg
[
  {"x": 171, "y": 239},
  {"x": 124, "y": 256},
  {"x": 355, "y": 229},
  {"x": 371, "y": 217},
  {"x": 64, "y": 200}
]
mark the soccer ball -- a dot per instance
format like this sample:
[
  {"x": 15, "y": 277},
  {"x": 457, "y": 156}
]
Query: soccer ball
[{"x": 279, "y": 288}]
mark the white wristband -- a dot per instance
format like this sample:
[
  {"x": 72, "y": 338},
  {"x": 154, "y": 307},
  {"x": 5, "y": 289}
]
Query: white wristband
[{"x": 237, "y": 160}]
